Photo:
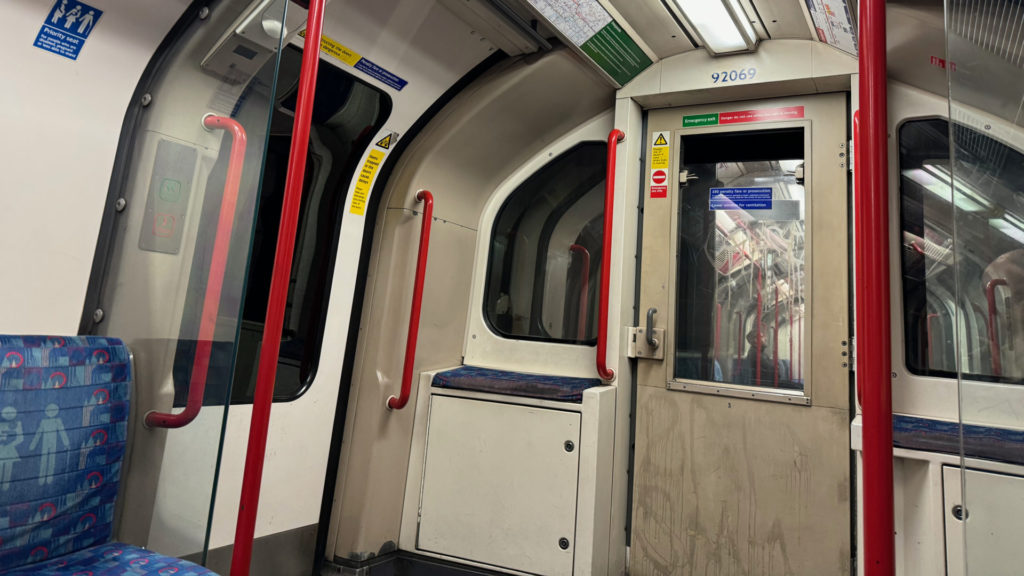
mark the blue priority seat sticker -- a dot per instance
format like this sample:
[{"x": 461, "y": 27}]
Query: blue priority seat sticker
[
  {"x": 741, "y": 199},
  {"x": 66, "y": 28}
]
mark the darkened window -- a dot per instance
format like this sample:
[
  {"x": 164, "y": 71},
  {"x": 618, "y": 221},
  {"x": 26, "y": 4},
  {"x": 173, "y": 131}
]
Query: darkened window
[
  {"x": 545, "y": 259},
  {"x": 346, "y": 115},
  {"x": 982, "y": 288},
  {"x": 741, "y": 278}
]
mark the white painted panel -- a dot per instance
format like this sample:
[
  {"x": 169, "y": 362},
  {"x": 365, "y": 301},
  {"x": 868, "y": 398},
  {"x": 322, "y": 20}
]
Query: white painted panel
[
  {"x": 995, "y": 506},
  {"x": 60, "y": 121},
  {"x": 499, "y": 486}
]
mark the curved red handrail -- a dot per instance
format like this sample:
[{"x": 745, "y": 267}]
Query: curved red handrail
[
  {"x": 218, "y": 265},
  {"x": 417, "y": 302},
  {"x": 581, "y": 330},
  {"x": 606, "y": 373},
  {"x": 259, "y": 423},
  {"x": 993, "y": 327}
]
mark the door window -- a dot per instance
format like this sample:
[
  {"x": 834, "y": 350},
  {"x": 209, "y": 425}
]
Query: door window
[{"x": 740, "y": 286}]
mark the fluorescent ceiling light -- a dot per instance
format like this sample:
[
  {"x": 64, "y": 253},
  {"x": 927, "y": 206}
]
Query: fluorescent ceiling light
[
  {"x": 966, "y": 199},
  {"x": 1007, "y": 228},
  {"x": 722, "y": 25}
]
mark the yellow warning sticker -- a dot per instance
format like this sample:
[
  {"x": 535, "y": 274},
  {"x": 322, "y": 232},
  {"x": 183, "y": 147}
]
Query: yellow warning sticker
[
  {"x": 336, "y": 49},
  {"x": 365, "y": 181},
  {"x": 385, "y": 142},
  {"x": 660, "y": 151}
]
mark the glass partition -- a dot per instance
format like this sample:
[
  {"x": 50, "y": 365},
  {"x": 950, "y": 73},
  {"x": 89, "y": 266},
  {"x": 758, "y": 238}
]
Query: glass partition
[
  {"x": 980, "y": 225},
  {"x": 174, "y": 274}
]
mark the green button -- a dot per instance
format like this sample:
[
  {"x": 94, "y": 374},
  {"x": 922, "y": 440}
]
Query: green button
[
  {"x": 700, "y": 120},
  {"x": 170, "y": 190}
]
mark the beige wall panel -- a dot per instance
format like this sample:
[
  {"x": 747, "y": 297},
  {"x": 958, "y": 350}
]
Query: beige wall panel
[
  {"x": 717, "y": 491},
  {"x": 784, "y": 68},
  {"x": 495, "y": 127},
  {"x": 476, "y": 142},
  {"x": 376, "y": 442}
]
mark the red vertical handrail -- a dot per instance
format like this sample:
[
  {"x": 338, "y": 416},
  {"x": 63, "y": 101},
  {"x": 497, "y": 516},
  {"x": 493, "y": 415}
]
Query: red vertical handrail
[
  {"x": 760, "y": 343},
  {"x": 874, "y": 360},
  {"x": 857, "y": 187},
  {"x": 800, "y": 346},
  {"x": 993, "y": 326},
  {"x": 739, "y": 340},
  {"x": 792, "y": 371},
  {"x": 606, "y": 373},
  {"x": 775, "y": 337},
  {"x": 252, "y": 478},
  {"x": 581, "y": 330},
  {"x": 928, "y": 331},
  {"x": 398, "y": 403},
  {"x": 214, "y": 282},
  {"x": 718, "y": 332}
]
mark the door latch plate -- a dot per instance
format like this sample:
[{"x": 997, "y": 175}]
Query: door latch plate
[{"x": 640, "y": 348}]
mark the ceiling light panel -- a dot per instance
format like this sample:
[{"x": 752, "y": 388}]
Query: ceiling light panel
[{"x": 721, "y": 24}]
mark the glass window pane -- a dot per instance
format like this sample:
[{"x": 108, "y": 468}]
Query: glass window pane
[
  {"x": 990, "y": 222},
  {"x": 545, "y": 261},
  {"x": 740, "y": 272},
  {"x": 346, "y": 115}
]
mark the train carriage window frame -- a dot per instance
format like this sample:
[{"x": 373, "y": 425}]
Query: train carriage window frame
[
  {"x": 923, "y": 165},
  {"x": 709, "y": 385},
  {"x": 337, "y": 142},
  {"x": 540, "y": 282}
]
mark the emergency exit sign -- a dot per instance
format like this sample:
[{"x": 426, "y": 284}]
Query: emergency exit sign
[
  {"x": 744, "y": 116},
  {"x": 700, "y": 120}
]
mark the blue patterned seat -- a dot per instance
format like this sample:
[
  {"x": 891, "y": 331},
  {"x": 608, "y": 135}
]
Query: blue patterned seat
[
  {"x": 558, "y": 388},
  {"x": 64, "y": 406}
]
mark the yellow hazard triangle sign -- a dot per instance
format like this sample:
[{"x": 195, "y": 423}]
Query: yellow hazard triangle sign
[
  {"x": 661, "y": 141},
  {"x": 385, "y": 142}
]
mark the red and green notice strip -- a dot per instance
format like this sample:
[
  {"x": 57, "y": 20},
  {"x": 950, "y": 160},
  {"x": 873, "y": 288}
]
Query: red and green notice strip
[{"x": 742, "y": 116}]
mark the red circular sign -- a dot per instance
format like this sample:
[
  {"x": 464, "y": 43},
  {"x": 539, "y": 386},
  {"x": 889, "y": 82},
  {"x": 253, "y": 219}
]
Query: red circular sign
[{"x": 659, "y": 177}]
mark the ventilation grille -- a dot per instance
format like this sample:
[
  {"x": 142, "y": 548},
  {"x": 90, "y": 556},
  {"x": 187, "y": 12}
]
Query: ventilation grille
[{"x": 996, "y": 26}]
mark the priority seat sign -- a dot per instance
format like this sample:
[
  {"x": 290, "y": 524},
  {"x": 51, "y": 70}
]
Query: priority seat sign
[{"x": 66, "y": 28}]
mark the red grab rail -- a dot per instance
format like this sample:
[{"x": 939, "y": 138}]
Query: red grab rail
[
  {"x": 417, "y": 302},
  {"x": 993, "y": 326},
  {"x": 606, "y": 373},
  {"x": 874, "y": 360},
  {"x": 245, "y": 529},
  {"x": 218, "y": 265},
  {"x": 581, "y": 330}
]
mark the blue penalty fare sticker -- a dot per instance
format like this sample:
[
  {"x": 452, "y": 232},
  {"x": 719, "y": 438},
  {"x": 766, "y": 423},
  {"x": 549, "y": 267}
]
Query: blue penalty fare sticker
[
  {"x": 66, "y": 28},
  {"x": 741, "y": 199},
  {"x": 375, "y": 71}
]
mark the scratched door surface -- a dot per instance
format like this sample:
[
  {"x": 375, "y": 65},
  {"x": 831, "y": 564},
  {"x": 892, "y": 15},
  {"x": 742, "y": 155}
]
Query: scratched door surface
[{"x": 742, "y": 461}]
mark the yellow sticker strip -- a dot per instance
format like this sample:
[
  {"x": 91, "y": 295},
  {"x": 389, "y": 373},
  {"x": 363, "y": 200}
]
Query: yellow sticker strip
[
  {"x": 660, "y": 151},
  {"x": 365, "y": 181},
  {"x": 336, "y": 49}
]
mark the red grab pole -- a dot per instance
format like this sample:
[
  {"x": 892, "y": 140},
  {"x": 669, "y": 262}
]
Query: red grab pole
[
  {"x": 417, "y": 303},
  {"x": 215, "y": 281},
  {"x": 993, "y": 326},
  {"x": 606, "y": 373},
  {"x": 245, "y": 529},
  {"x": 872, "y": 287},
  {"x": 581, "y": 330}
]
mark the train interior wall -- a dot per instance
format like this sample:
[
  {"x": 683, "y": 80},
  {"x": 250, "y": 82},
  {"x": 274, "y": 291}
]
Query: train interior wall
[{"x": 500, "y": 128}]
